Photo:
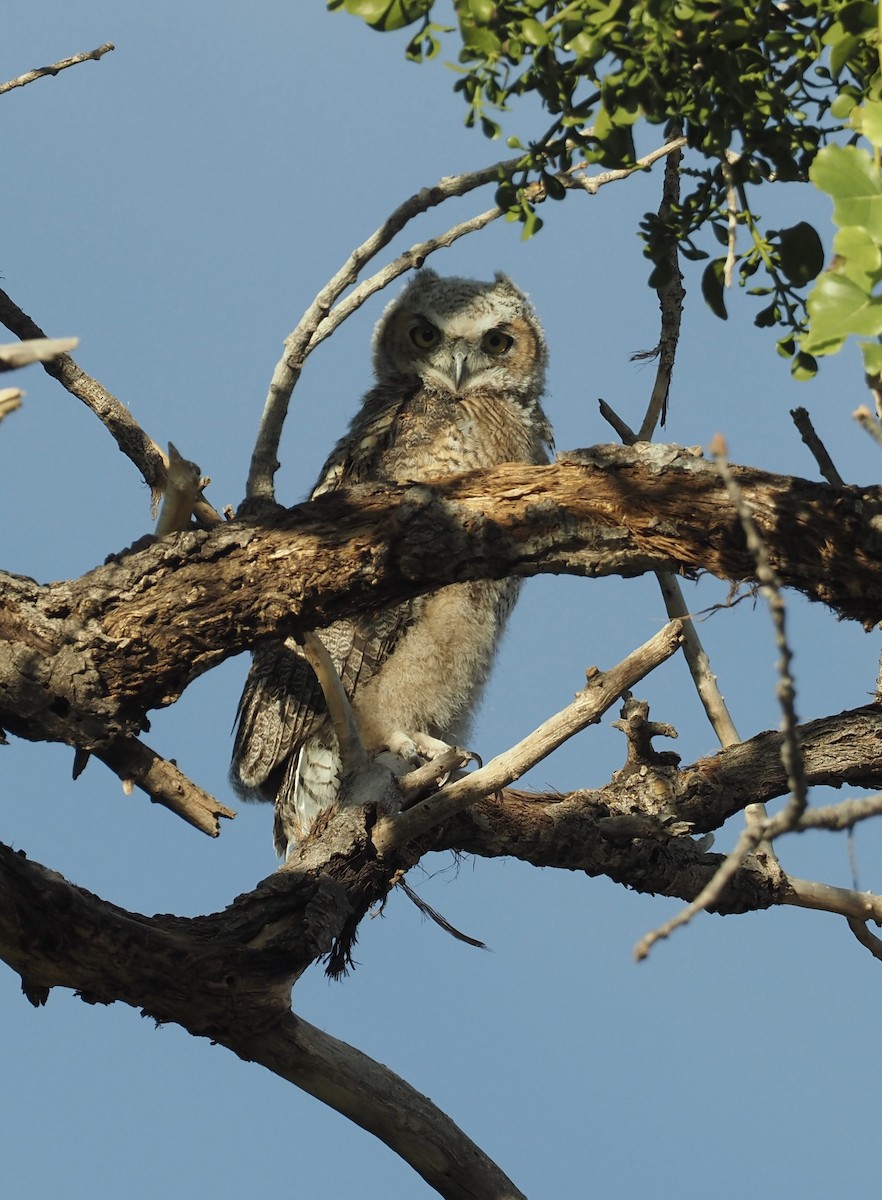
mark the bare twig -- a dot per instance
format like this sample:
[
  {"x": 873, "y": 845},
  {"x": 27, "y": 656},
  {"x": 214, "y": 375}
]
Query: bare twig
[
  {"x": 845, "y": 815},
  {"x": 602, "y": 691},
  {"x": 324, "y": 315},
  {"x": 410, "y": 260},
  {"x": 622, "y": 428},
  {"x": 748, "y": 841},
  {"x": 699, "y": 665},
  {"x": 10, "y": 400},
  {"x": 299, "y": 342},
  {"x": 758, "y": 830},
  {"x": 809, "y": 435},
  {"x": 165, "y": 784},
  {"x": 860, "y": 906},
  {"x": 352, "y": 752},
  {"x": 62, "y": 65},
  {"x": 592, "y": 183},
  {"x": 732, "y": 215},
  {"x": 770, "y": 585},
  {"x": 20, "y": 354},
  {"x": 119, "y": 422},
  {"x": 871, "y": 424},
  {"x": 865, "y": 937}
]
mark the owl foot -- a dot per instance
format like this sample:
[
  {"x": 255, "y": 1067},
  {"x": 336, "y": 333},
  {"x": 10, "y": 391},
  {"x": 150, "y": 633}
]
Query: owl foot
[
  {"x": 418, "y": 748},
  {"x": 433, "y": 763}
]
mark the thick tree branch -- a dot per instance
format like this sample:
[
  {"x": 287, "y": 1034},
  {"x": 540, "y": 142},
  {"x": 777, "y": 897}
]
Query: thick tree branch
[
  {"x": 85, "y": 660},
  {"x": 579, "y": 831},
  {"x": 227, "y": 978}
]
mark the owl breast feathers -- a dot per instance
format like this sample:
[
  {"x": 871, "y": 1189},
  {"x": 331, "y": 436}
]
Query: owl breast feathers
[{"x": 460, "y": 368}]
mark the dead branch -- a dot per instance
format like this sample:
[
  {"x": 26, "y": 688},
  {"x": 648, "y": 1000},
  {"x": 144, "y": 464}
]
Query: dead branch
[
  {"x": 324, "y": 314},
  {"x": 54, "y": 68},
  {"x": 84, "y": 660},
  {"x": 111, "y": 412},
  {"x": 809, "y": 435},
  {"x": 19, "y": 354},
  {"x": 770, "y": 585},
  {"x": 602, "y": 691},
  {"x": 572, "y": 831},
  {"x": 139, "y": 766}
]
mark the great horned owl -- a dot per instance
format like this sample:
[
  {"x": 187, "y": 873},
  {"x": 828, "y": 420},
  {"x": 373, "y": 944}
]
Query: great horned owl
[{"x": 460, "y": 367}]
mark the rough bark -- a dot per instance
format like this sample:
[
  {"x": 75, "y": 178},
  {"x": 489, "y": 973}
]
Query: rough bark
[{"x": 85, "y": 660}]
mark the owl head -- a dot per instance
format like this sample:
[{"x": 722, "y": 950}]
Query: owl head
[{"x": 462, "y": 336}]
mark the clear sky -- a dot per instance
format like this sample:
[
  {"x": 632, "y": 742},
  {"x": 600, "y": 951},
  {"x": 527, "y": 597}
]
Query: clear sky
[{"x": 177, "y": 206}]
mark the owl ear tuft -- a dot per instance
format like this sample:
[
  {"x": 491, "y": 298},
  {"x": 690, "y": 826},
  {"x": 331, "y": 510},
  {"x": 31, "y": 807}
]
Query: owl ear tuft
[{"x": 504, "y": 281}]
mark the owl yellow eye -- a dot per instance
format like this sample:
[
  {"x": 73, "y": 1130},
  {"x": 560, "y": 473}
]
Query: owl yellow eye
[
  {"x": 496, "y": 342},
  {"x": 424, "y": 337}
]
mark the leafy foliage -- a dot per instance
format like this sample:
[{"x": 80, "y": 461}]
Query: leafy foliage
[
  {"x": 846, "y": 299},
  {"x": 757, "y": 90}
]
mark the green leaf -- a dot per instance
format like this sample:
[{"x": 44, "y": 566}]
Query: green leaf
[
  {"x": 837, "y": 307},
  {"x": 851, "y": 178},
  {"x": 532, "y": 224},
  {"x": 482, "y": 10},
  {"x": 388, "y": 14},
  {"x": 841, "y": 52},
  {"x": 712, "y": 288},
  {"x": 533, "y": 32},
  {"x": 767, "y": 317},
  {"x": 800, "y": 253},
  {"x": 843, "y": 104},
  {"x": 871, "y": 121},
  {"x": 554, "y": 189},
  {"x": 858, "y": 256},
  {"x": 804, "y": 366},
  {"x": 872, "y": 355}
]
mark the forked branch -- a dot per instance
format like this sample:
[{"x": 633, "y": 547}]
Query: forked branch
[{"x": 327, "y": 312}]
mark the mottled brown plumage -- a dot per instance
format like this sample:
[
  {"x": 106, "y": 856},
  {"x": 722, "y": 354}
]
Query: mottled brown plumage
[{"x": 460, "y": 369}]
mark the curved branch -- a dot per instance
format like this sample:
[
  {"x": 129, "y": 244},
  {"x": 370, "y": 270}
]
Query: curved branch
[
  {"x": 111, "y": 412},
  {"x": 324, "y": 314},
  {"x": 302, "y": 339},
  {"x": 381, "y": 1102},
  {"x": 226, "y": 977},
  {"x": 85, "y": 660}
]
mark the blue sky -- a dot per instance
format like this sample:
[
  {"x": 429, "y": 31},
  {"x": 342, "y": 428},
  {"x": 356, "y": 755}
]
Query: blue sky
[{"x": 177, "y": 206}]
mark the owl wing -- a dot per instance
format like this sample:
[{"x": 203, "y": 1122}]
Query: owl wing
[{"x": 282, "y": 704}]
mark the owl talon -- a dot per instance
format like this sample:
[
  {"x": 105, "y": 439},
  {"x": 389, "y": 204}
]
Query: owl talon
[
  {"x": 417, "y": 747},
  {"x": 415, "y": 785}
]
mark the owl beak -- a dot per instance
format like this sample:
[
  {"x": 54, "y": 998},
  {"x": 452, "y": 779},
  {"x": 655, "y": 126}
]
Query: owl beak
[{"x": 460, "y": 369}]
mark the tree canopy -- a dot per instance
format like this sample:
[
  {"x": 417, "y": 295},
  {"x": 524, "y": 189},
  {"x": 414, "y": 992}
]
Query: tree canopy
[{"x": 121, "y": 664}]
